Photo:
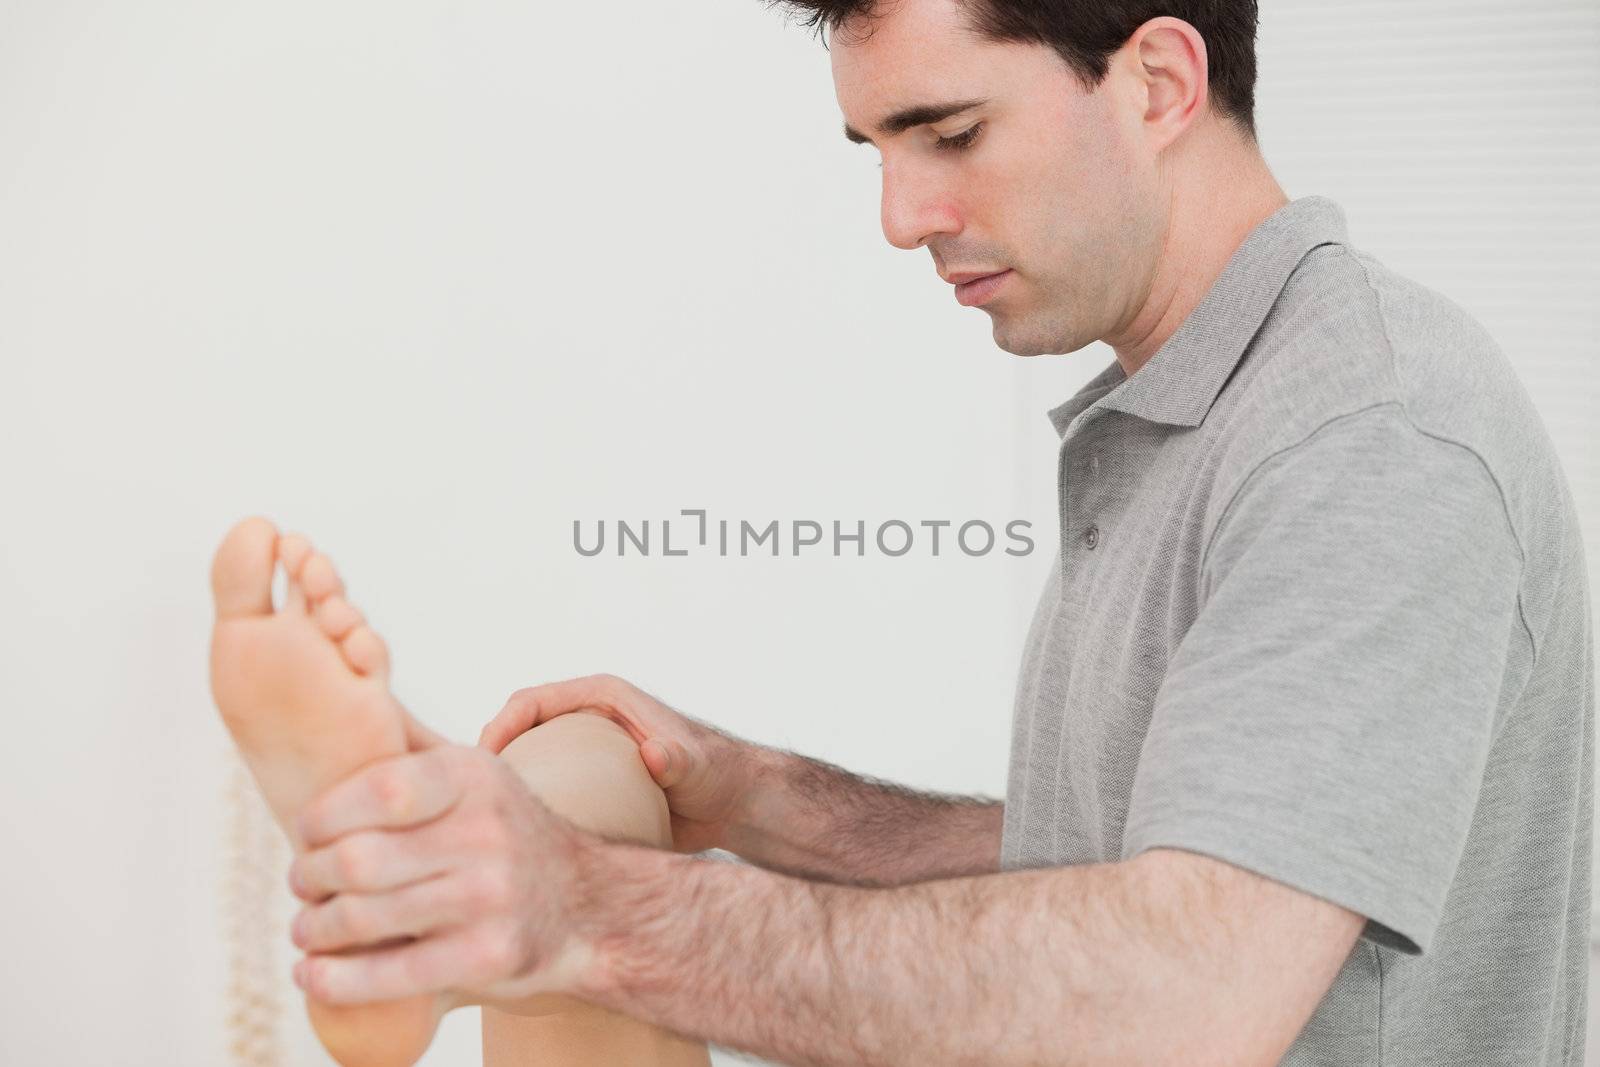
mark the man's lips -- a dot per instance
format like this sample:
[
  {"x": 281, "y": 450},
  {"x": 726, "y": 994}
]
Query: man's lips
[{"x": 973, "y": 289}]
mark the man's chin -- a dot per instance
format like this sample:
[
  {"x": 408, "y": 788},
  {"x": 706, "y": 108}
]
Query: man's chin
[
  {"x": 1009, "y": 340},
  {"x": 1047, "y": 337}
]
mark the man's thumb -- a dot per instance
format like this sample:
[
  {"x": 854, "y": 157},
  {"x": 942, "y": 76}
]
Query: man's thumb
[{"x": 666, "y": 762}]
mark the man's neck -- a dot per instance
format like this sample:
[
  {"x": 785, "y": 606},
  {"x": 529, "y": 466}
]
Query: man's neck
[{"x": 1209, "y": 218}]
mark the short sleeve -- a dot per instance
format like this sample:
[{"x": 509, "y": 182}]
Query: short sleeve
[{"x": 1326, "y": 719}]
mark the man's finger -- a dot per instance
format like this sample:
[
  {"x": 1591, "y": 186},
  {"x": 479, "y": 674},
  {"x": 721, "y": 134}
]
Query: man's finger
[
  {"x": 462, "y": 959},
  {"x": 527, "y": 708},
  {"x": 375, "y": 861},
  {"x": 367, "y": 861},
  {"x": 391, "y": 793},
  {"x": 353, "y": 920}
]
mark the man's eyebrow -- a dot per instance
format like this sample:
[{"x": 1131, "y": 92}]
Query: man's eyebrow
[{"x": 920, "y": 115}]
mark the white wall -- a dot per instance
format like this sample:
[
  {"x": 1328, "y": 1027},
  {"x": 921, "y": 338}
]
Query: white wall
[{"x": 429, "y": 281}]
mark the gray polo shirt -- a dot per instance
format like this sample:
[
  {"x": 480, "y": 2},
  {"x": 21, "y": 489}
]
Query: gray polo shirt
[{"x": 1319, "y": 609}]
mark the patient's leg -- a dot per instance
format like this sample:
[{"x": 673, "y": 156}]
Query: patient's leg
[{"x": 586, "y": 768}]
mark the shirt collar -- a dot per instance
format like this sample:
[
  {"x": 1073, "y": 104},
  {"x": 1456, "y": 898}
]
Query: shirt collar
[{"x": 1178, "y": 384}]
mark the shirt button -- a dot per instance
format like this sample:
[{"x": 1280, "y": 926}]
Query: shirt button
[{"x": 1091, "y": 536}]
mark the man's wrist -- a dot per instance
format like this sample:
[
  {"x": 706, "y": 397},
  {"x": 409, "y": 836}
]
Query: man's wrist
[
  {"x": 624, "y": 890},
  {"x": 760, "y": 805},
  {"x": 595, "y": 917}
]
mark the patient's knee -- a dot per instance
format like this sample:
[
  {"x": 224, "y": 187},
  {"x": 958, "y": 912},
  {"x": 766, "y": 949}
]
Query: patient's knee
[{"x": 587, "y": 769}]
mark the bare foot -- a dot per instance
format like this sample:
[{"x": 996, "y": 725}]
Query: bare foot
[{"x": 304, "y": 691}]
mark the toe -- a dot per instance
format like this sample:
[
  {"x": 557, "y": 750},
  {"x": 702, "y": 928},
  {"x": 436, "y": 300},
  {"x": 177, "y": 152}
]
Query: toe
[
  {"x": 319, "y": 579},
  {"x": 365, "y": 651},
  {"x": 293, "y": 550},
  {"x": 336, "y": 617},
  {"x": 241, "y": 571}
]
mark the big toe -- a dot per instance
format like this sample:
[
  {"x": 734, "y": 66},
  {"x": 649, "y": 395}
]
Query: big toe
[{"x": 241, "y": 571}]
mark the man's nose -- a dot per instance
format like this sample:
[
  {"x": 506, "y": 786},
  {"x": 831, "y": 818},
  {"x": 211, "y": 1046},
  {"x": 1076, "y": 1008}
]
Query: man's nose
[{"x": 915, "y": 210}]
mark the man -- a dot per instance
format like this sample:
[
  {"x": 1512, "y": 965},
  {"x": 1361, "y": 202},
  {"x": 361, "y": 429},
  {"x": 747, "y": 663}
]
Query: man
[{"x": 1302, "y": 748}]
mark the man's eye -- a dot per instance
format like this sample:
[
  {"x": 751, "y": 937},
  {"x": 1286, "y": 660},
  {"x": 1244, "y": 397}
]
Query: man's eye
[{"x": 959, "y": 141}]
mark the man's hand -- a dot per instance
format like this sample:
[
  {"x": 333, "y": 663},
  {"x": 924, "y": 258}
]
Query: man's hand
[
  {"x": 439, "y": 870},
  {"x": 707, "y": 775},
  {"x": 776, "y": 809}
]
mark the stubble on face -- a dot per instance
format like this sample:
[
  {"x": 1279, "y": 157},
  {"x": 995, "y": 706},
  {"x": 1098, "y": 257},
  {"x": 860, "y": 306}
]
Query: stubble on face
[{"x": 1090, "y": 222}]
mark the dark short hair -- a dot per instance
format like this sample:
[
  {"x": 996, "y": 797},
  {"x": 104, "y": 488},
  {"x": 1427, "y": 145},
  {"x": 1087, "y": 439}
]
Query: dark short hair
[{"x": 1085, "y": 33}]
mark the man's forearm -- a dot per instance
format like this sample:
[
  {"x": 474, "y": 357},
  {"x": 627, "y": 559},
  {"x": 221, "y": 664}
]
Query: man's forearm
[
  {"x": 812, "y": 818},
  {"x": 1069, "y": 966}
]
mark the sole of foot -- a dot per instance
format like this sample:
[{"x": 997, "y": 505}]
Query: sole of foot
[{"x": 303, "y": 689}]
